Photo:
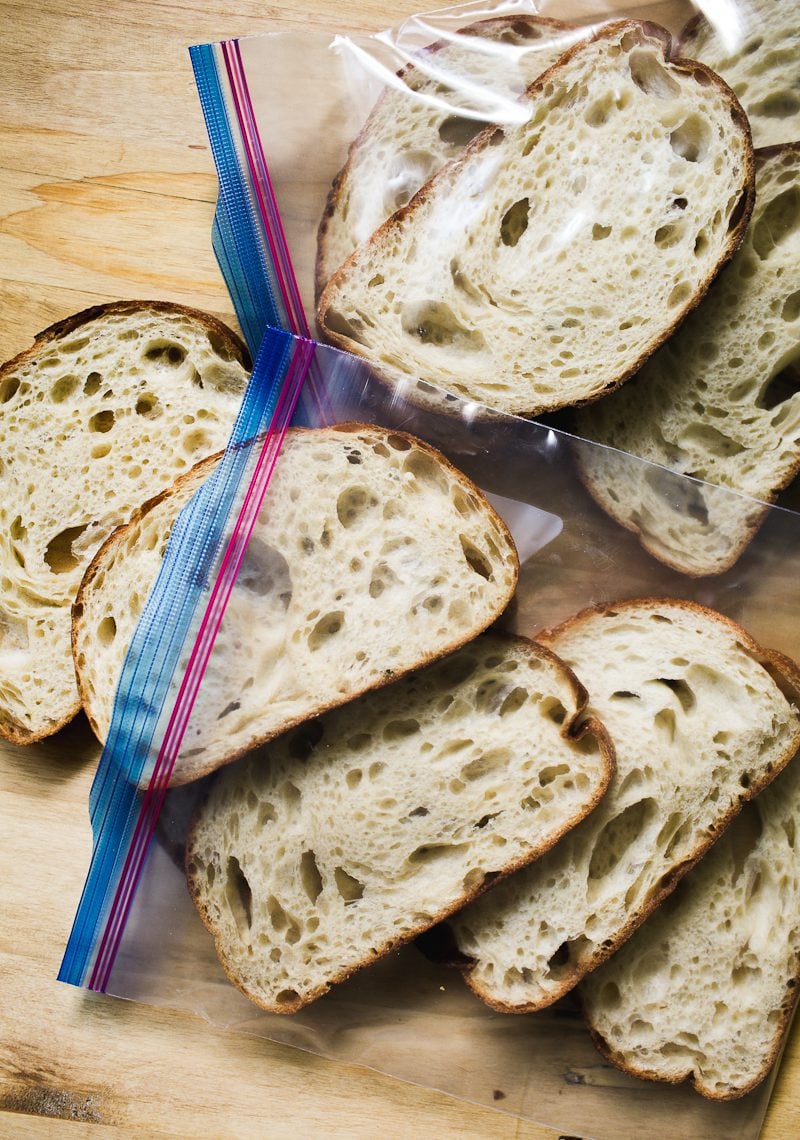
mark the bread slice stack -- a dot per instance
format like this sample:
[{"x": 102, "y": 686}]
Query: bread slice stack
[
  {"x": 542, "y": 267},
  {"x": 700, "y": 722},
  {"x": 720, "y": 402},
  {"x": 371, "y": 556},
  {"x": 705, "y": 990},
  {"x": 104, "y": 410},
  {"x": 346, "y": 837},
  {"x": 428, "y": 118},
  {"x": 756, "y": 50}
]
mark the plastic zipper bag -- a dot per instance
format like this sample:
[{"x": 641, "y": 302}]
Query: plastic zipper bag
[{"x": 572, "y": 555}]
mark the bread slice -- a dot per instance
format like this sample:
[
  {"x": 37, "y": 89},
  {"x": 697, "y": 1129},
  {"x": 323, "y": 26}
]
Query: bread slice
[
  {"x": 541, "y": 268},
  {"x": 719, "y": 402},
  {"x": 756, "y": 49},
  {"x": 371, "y": 556},
  {"x": 343, "y": 839},
  {"x": 700, "y": 723},
  {"x": 105, "y": 409},
  {"x": 705, "y": 990},
  {"x": 415, "y": 127}
]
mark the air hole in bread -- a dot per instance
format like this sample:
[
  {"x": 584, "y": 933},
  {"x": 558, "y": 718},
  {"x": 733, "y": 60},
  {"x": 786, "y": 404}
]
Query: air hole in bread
[
  {"x": 310, "y": 876},
  {"x": 650, "y": 75},
  {"x": 408, "y": 170},
  {"x": 8, "y": 389},
  {"x": 476, "y": 559},
  {"x": 238, "y": 896},
  {"x": 514, "y": 701},
  {"x": 167, "y": 352},
  {"x": 287, "y": 997},
  {"x": 148, "y": 406},
  {"x": 264, "y": 571},
  {"x": 326, "y": 628},
  {"x": 426, "y": 469},
  {"x": 486, "y": 765},
  {"x": 679, "y": 294},
  {"x": 600, "y": 232},
  {"x": 515, "y": 222},
  {"x": 351, "y": 329},
  {"x": 777, "y": 105},
  {"x": 618, "y": 835},
  {"x": 353, "y": 503},
  {"x": 691, "y": 139},
  {"x": 682, "y": 691},
  {"x": 560, "y": 963},
  {"x": 400, "y": 729},
  {"x": 779, "y": 219},
  {"x": 350, "y": 888},
  {"x": 665, "y": 724},
  {"x": 383, "y": 576},
  {"x": 63, "y": 389},
  {"x": 59, "y": 554},
  {"x": 398, "y": 443},
  {"x": 670, "y": 234},
  {"x": 791, "y": 307},
  {"x": 431, "y": 852},
  {"x": 553, "y": 709},
  {"x": 456, "y": 132},
  {"x": 231, "y": 707},
  {"x": 435, "y": 323},
  {"x": 102, "y": 421},
  {"x": 704, "y": 437},
  {"x": 106, "y": 631}
]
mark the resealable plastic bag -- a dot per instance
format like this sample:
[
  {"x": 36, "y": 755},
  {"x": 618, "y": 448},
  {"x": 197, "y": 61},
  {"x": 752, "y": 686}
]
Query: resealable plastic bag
[{"x": 278, "y": 145}]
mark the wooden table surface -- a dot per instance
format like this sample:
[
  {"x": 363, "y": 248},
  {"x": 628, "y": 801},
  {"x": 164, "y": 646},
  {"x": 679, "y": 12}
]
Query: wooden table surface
[{"x": 107, "y": 191}]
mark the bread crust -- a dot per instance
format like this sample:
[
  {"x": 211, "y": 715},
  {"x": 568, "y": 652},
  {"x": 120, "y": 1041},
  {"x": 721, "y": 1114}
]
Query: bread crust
[
  {"x": 520, "y": 24},
  {"x": 626, "y": 1065},
  {"x": 70, "y": 324},
  {"x": 761, "y": 505},
  {"x": 576, "y": 727},
  {"x": 233, "y": 345},
  {"x": 202, "y": 470},
  {"x": 784, "y": 671},
  {"x": 405, "y": 215}
]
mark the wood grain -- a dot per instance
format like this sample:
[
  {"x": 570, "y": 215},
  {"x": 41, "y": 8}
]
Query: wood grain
[{"x": 107, "y": 190}]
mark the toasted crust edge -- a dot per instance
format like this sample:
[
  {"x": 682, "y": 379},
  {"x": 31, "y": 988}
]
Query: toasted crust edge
[
  {"x": 761, "y": 154},
  {"x": 480, "y": 29},
  {"x": 741, "y": 212},
  {"x": 119, "y": 535},
  {"x": 784, "y": 672},
  {"x": 10, "y": 729},
  {"x": 576, "y": 727}
]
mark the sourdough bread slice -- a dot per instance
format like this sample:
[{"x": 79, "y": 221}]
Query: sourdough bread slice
[
  {"x": 756, "y": 50},
  {"x": 428, "y": 119},
  {"x": 371, "y": 556},
  {"x": 104, "y": 410},
  {"x": 705, "y": 990},
  {"x": 348, "y": 836},
  {"x": 700, "y": 723},
  {"x": 719, "y": 402},
  {"x": 542, "y": 267}
]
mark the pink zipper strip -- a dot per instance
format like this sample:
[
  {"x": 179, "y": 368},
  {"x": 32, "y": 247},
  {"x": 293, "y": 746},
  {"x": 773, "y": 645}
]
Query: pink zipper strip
[{"x": 201, "y": 652}]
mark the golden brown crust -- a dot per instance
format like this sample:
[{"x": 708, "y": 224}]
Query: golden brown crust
[
  {"x": 740, "y": 215},
  {"x": 783, "y": 671},
  {"x": 520, "y": 24},
  {"x": 76, "y": 321},
  {"x": 578, "y": 726},
  {"x": 204, "y": 468},
  {"x": 10, "y": 729}
]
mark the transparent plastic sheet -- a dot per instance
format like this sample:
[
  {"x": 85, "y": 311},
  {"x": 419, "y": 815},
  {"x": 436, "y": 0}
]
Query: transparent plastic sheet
[{"x": 405, "y": 1016}]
